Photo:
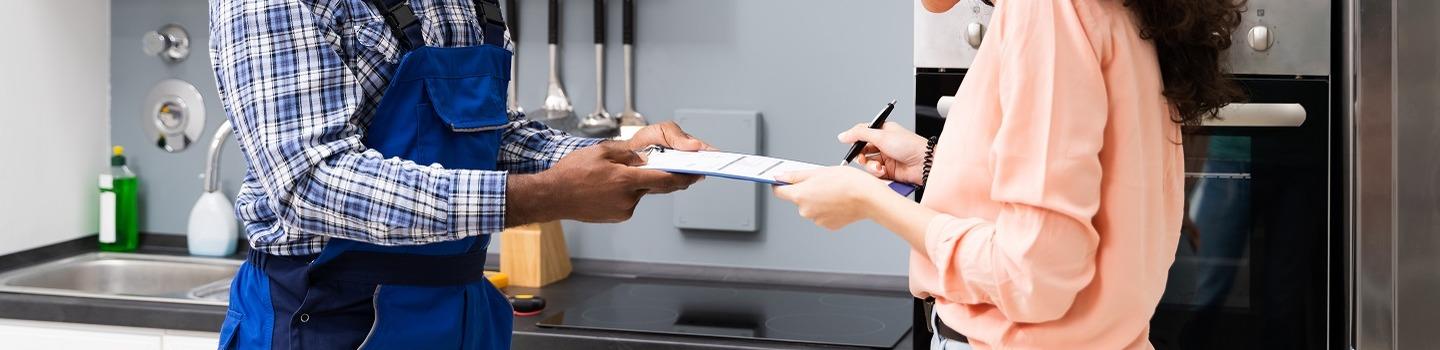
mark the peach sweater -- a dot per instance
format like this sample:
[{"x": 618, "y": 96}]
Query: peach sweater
[{"x": 1060, "y": 181}]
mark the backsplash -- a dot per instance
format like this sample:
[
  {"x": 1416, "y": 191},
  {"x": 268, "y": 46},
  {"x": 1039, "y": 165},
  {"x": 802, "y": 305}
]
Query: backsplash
[
  {"x": 808, "y": 79},
  {"x": 170, "y": 183}
]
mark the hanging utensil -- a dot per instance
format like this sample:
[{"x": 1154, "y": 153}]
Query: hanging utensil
[
  {"x": 512, "y": 19},
  {"x": 630, "y": 120},
  {"x": 558, "y": 112},
  {"x": 599, "y": 123}
]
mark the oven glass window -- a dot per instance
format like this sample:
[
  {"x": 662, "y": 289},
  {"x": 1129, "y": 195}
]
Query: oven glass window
[
  {"x": 1212, "y": 262},
  {"x": 1249, "y": 266}
]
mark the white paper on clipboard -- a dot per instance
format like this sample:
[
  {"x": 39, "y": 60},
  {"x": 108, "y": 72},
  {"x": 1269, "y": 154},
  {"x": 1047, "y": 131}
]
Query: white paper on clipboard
[{"x": 737, "y": 166}]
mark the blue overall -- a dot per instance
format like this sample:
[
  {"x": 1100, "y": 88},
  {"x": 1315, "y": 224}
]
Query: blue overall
[{"x": 443, "y": 105}]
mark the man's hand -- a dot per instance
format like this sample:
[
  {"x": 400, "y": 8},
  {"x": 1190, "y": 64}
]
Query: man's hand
[
  {"x": 666, "y": 134},
  {"x": 593, "y": 184}
]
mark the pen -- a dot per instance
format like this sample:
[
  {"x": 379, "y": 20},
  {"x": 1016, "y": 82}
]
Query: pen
[{"x": 874, "y": 124}]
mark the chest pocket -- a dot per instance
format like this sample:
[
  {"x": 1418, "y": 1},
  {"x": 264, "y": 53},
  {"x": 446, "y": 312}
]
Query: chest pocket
[
  {"x": 468, "y": 104},
  {"x": 373, "y": 39},
  {"x": 472, "y": 118}
]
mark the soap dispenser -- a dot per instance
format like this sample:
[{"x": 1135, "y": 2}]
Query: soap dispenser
[
  {"x": 213, "y": 230},
  {"x": 119, "y": 211}
]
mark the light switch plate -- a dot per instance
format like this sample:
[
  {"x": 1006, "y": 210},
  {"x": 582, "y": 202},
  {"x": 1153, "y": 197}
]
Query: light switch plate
[{"x": 715, "y": 203}]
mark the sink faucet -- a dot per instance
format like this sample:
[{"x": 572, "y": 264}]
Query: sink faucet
[{"x": 212, "y": 162}]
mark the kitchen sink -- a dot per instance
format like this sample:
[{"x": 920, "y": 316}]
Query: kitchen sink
[{"x": 126, "y": 276}]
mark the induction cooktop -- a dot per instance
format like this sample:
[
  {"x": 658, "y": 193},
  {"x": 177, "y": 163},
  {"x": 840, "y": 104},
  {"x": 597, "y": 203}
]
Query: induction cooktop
[{"x": 748, "y": 313}]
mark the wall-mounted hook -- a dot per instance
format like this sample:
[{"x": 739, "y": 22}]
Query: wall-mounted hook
[{"x": 170, "y": 42}]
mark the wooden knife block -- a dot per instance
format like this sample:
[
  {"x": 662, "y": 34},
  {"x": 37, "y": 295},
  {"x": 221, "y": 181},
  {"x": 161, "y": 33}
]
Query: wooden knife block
[{"x": 534, "y": 255}]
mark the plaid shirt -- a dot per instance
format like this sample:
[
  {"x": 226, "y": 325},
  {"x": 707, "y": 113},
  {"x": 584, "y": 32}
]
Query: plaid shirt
[{"x": 300, "y": 80}]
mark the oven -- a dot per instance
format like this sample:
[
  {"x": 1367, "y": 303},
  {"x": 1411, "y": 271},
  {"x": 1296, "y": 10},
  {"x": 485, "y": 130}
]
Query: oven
[{"x": 1259, "y": 262}]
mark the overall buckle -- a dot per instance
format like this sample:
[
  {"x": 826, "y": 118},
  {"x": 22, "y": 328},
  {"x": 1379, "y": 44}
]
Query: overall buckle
[
  {"x": 489, "y": 11},
  {"x": 400, "y": 17}
]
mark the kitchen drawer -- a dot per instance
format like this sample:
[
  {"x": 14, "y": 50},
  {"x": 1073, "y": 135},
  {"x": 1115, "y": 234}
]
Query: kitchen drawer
[{"x": 37, "y": 335}]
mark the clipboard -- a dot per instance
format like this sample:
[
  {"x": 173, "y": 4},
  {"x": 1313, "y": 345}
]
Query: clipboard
[{"x": 735, "y": 166}]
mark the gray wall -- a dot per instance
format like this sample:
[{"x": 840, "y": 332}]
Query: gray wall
[
  {"x": 169, "y": 182},
  {"x": 812, "y": 68}
]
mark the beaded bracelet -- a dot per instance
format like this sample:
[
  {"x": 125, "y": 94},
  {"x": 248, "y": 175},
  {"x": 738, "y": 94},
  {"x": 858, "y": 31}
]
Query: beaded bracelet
[{"x": 929, "y": 160}]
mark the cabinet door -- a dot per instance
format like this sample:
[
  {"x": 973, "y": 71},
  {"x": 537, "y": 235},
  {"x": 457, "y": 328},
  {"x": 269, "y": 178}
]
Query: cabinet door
[
  {"x": 24, "y": 336},
  {"x": 181, "y": 340}
]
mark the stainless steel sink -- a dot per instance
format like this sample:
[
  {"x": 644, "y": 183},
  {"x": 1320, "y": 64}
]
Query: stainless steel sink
[{"x": 175, "y": 279}]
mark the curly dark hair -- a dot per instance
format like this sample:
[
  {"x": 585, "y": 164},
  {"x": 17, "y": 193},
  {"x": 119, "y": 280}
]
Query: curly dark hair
[{"x": 1190, "y": 37}]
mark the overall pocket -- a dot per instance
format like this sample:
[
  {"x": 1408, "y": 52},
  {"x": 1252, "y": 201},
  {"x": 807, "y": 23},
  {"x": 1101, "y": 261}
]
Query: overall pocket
[
  {"x": 410, "y": 315},
  {"x": 229, "y": 329},
  {"x": 472, "y": 110},
  {"x": 248, "y": 317}
]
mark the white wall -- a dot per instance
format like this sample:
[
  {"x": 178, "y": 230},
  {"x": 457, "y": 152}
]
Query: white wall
[{"x": 54, "y": 118}]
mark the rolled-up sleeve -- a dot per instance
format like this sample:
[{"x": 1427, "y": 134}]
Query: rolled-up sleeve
[
  {"x": 532, "y": 147},
  {"x": 1038, "y": 253}
]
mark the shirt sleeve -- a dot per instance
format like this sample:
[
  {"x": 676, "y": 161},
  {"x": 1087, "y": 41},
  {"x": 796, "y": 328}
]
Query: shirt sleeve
[
  {"x": 1038, "y": 254},
  {"x": 531, "y": 147},
  {"x": 292, "y": 100}
]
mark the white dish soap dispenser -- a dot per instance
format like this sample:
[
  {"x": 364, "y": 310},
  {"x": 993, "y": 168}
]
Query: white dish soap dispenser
[{"x": 213, "y": 230}]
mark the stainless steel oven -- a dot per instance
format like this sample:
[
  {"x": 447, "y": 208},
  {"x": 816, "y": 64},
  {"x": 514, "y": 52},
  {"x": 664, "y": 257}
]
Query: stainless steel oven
[{"x": 1259, "y": 264}]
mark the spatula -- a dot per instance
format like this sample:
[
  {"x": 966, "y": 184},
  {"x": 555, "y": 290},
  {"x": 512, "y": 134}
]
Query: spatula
[
  {"x": 599, "y": 123},
  {"x": 558, "y": 112}
]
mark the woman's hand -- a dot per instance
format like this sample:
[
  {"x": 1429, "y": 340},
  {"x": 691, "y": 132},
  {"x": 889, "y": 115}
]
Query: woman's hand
[
  {"x": 892, "y": 153},
  {"x": 832, "y": 197}
]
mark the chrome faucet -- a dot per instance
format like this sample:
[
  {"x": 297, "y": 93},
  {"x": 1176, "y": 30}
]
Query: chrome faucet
[{"x": 212, "y": 161}]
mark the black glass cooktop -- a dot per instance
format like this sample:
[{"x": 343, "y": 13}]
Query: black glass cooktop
[{"x": 780, "y": 315}]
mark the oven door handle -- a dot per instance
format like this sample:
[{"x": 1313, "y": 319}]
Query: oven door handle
[
  {"x": 943, "y": 105},
  {"x": 1259, "y": 115},
  {"x": 1234, "y": 115}
]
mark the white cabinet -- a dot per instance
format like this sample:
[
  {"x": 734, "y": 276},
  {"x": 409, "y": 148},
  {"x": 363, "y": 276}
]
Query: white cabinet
[
  {"x": 36, "y": 335},
  {"x": 186, "y": 340},
  {"x": 60, "y": 336}
]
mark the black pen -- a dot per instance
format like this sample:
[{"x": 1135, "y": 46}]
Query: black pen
[{"x": 874, "y": 124}]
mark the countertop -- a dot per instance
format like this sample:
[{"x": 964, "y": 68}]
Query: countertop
[{"x": 588, "y": 279}]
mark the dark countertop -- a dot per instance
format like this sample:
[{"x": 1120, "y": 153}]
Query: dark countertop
[
  {"x": 579, "y": 287},
  {"x": 558, "y": 296}
]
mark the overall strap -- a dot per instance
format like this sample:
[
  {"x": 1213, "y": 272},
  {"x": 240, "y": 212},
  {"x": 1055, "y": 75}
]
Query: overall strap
[
  {"x": 405, "y": 26},
  {"x": 491, "y": 21}
]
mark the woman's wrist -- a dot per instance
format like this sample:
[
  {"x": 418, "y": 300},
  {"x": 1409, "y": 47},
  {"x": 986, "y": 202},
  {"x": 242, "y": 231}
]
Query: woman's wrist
[
  {"x": 913, "y": 175},
  {"x": 916, "y": 169},
  {"x": 900, "y": 215},
  {"x": 868, "y": 197}
]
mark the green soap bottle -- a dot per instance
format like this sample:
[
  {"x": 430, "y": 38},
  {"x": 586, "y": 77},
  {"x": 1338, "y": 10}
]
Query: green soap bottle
[{"x": 119, "y": 211}]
